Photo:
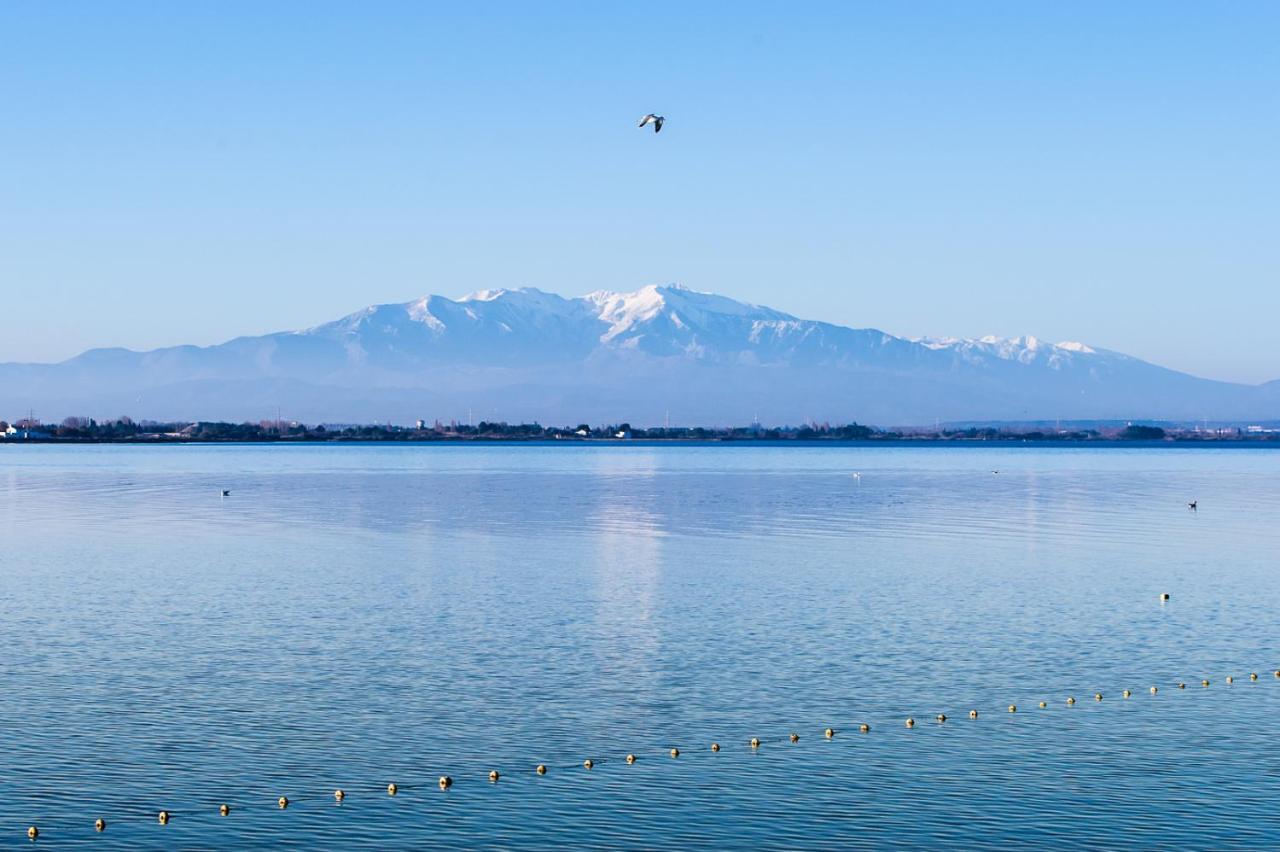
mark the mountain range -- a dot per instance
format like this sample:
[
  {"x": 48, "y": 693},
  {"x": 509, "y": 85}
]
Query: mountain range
[{"x": 643, "y": 357}]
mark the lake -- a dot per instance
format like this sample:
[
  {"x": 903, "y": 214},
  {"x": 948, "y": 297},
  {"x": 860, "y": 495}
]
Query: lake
[{"x": 357, "y": 615}]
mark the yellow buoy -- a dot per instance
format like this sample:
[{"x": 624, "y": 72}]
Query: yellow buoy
[
  {"x": 1204, "y": 683},
  {"x": 1097, "y": 696},
  {"x": 588, "y": 763},
  {"x": 493, "y": 775},
  {"x": 1071, "y": 700},
  {"x": 283, "y": 802},
  {"x": 795, "y": 738},
  {"x": 1044, "y": 704},
  {"x": 1253, "y": 676},
  {"x": 973, "y": 714},
  {"x": 163, "y": 816},
  {"x": 1182, "y": 686},
  {"x": 33, "y": 832},
  {"x": 755, "y": 742},
  {"x": 942, "y": 717},
  {"x": 391, "y": 789},
  {"x": 542, "y": 769},
  {"x": 864, "y": 728},
  {"x": 1126, "y": 693},
  {"x": 715, "y": 746},
  {"x": 100, "y": 824},
  {"x": 911, "y": 723},
  {"x": 631, "y": 758},
  {"x": 1277, "y": 672},
  {"x": 1154, "y": 690},
  {"x": 226, "y": 809},
  {"x": 1230, "y": 679},
  {"x": 445, "y": 782},
  {"x": 339, "y": 794},
  {"x": 828, "y": 733},
  {"x": 1013, "y": 708},
  {"x": 675, "y": 752}
]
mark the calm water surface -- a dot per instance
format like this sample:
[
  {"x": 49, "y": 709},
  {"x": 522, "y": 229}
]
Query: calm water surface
[{"x": 357, "y": 615}]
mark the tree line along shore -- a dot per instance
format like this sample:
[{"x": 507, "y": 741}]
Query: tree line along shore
[{"x": 127, "y": 430}]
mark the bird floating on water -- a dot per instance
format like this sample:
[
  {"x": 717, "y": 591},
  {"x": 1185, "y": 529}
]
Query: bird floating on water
[{"x": 655, "y": 120}]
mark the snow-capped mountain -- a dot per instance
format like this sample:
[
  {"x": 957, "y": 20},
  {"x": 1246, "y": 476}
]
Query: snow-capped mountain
[{"x": 524, "y": 355}]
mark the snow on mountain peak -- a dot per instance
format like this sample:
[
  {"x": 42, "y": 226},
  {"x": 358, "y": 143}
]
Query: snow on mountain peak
[{"x": 1025, "y": 349}]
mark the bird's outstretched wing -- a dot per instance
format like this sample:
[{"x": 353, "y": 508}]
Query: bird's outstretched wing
[
  {"x": 648, "y": 118},
  {"x": 657, "y": 125}
]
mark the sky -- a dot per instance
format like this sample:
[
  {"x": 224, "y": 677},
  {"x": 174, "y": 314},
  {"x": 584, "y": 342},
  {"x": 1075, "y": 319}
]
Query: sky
[{"x": 1102, "y": 172}]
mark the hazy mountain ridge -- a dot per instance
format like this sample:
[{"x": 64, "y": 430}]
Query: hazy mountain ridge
[{"x": 525, "y": 354}]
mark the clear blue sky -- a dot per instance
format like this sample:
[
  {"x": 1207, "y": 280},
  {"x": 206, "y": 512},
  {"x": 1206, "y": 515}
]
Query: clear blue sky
[{"x": 188, "y": 172}]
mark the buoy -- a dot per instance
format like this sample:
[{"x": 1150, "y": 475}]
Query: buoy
[
  {"x": 1071, "y": 700},
  {"x": 1277, "y": 672},
  {"x": 542, "y": 769},
  {"x": 911, "y": 723},
  {"x": 391, "y": 789},
  {"x": 588, "y": 763},
  {"x": 795, "y": 738},
  {"x": 283, "y": 802},
  {"x": 1126, "y": 693},
  {"x": 1204, "y": 683},
  {"x": 864, "y": 728},
  {"x": 755, "y": 742},
  {"x": 1165, "y": 596},
  {"x": 942, "y": 717},
  {"x": 163, "y": 816},
  {"x": 1013, "y": 708},
  {"x": 226, "y": 809},
  {"x": 1230, "y": 679},
  {"x": 828, "y": 733},
  {"x": 1154, "y": 690},
  {"x": 715, "y": 746},
  {"x": 1044, "y": 704},
  {"x": 675, "y": 752},
  {"x": 33, "y": 832},
  {"x": 1097, "y": 696},
  {"x": 445, "y": 782},
  {"x": 100, "y": 824},
  {"x": 1253, "y": 676},
  {"x": 973, "y": 714},
  {"x": 339, "y": 795},
  {"x": 493, "y": 775},
  {"x": 631, "y": 758}
]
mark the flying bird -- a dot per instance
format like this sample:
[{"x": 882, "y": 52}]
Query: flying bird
[
  {"x": 226, "y": 492},
  {"x": 1193, "y": 505},
  {"x": 655, "y": 120}
]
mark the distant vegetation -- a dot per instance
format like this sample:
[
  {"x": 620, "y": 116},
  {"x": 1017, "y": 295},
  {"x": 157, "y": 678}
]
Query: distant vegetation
[{"x": 126, "y": 430}]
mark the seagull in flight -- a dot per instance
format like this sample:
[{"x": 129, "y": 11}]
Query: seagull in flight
[
  {"x": 1193, "y": 505},
  {"x": 655, "y": 120}
]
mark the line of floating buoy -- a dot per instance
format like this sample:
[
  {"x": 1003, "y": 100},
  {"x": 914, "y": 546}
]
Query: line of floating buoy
[{"x": 446, "y": 781}]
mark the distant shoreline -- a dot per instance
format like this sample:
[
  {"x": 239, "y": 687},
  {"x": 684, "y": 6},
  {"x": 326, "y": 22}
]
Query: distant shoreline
[
  {"x": 79, "y": 430},
  {"x": 1271, "y": 442}
]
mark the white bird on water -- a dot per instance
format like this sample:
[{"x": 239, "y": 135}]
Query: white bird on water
[{"x": 655, "y": 120}]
